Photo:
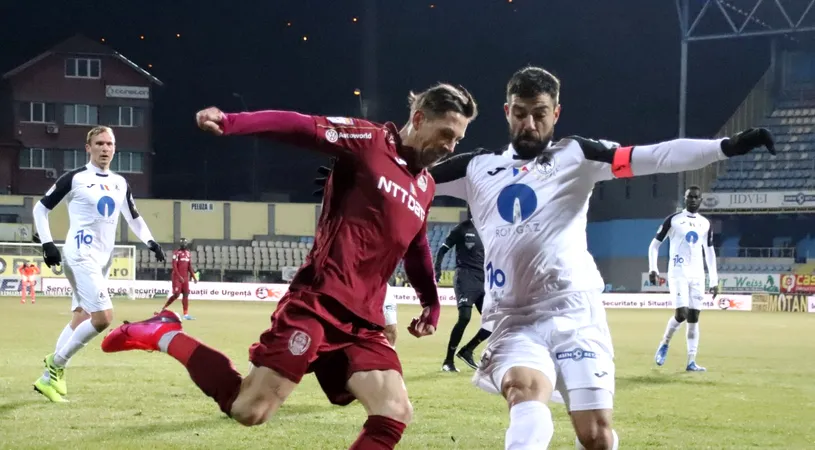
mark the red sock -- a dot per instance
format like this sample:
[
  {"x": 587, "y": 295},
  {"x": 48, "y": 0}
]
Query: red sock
[
  {"x": 185, "y": 303},
  {"x": 210, "y": 369},
  {"x": 379, "y": 433}
]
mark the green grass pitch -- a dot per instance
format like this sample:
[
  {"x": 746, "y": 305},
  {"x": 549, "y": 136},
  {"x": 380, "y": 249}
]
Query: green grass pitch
[{"x": 758, "y": 393}]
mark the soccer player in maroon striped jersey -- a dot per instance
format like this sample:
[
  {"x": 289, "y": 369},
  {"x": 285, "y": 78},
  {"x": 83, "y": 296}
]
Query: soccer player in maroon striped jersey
[
  {"x": 330, "y": 321},
  {"x": 182, "y": 274}
]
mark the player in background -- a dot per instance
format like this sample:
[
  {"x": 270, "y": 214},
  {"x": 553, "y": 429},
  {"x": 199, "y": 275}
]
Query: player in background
[
  {"x": 690, "y": 236},
  {"x": 182, "y": 274},
  {"x": 95, "y": 196},
  {"x": 529, "y": 202},
  {"x": 389, "y": 308},
  {"x": 330, "y": 322},
  {"x": 28, "y": 280},
  {"x": 468, "y": 287}
]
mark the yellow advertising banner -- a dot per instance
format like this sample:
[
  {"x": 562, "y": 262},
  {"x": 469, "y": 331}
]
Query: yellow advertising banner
[{"x": 10, "y": 266}]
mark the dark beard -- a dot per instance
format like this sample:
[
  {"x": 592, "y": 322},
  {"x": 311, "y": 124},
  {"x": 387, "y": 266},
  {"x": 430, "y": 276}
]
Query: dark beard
[
  {"x": 528, "y": 148},
  {"x": 692, "y": 209}
]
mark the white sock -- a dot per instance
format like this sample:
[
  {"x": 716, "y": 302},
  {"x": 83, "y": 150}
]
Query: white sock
[
  {"x": 614, "y": 446},
  {"x": 673, "y": 325},
  {"x": 83, "y": 334},
  {"x": 693, "y": 341},
  {"x": 63, "y": 338},
  {"x": 530, "y": 426}
]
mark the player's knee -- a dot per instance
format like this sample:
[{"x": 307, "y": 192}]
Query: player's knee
[
  {"x": 596, "y": 435},
  {"x": 518, "y": 388},
  {"x": 250, "y": 415},
  {"x": 681, "y": 314},
  {"x": 693, "y": 315},
  {"x": 101, "y": 321}
]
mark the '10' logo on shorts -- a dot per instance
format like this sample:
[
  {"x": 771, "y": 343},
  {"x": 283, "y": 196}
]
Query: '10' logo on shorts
[{"x": 576, "y": 355}]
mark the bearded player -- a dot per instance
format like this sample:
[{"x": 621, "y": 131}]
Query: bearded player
[
  {"x": 691, "y": 247},
  {"x": 182, "y": 274},
  {"x": 529, "y": 202},
  {"x": 330, "y": 322}
]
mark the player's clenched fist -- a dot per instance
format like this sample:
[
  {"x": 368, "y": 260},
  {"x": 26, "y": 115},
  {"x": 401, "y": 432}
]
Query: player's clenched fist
[
  {"x": 211, "y": 119},
  {"x": 425, "y": 325}
]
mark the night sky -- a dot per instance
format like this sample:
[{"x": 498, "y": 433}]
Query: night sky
[{"x": 619, "y": 66}]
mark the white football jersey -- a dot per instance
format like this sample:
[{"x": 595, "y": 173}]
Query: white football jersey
[
  {"x": 531, "y": 215},
  {"x": 94, "y": 200},
  {"x": 688, "y": 233}
]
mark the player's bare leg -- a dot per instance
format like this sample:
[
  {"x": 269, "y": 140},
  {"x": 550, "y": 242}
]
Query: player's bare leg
[
  {"x": 384, "y": 396},
  {"x": 261, "y": 394},
  {"x": 530, "y": 422},
  {"x": 33, "y": 292},
  {"x": 390, "y": 334},
  {"x": 24, "y": 287},
  {"x": 250, "y": 401},
  {"x": 680, "y": 315},
  {"x": 593, "y": 427}
]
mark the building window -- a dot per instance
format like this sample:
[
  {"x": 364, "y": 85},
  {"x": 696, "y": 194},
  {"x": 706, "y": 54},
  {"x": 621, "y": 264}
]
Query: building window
[
  {"x": 83, "y": 68},
  {"x": 81, "y": 115},
  {"x": 128, "y": 162},
  {"x": 73, "y": 159},
  {"x": 37, "y": 158},
  {"x": 37, "y": 112},
  {"x": 122, "y": 116}
]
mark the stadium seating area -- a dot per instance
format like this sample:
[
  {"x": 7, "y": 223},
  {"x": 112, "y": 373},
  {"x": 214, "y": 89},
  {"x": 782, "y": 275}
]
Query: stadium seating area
[
  {"x": 793, "y": 125},
  {"x": 269, "y": 255}
]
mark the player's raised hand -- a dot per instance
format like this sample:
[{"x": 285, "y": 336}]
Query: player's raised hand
[
  {"x": 422, "y": 326},
  {"x": 749, "y": 139},
  {"x": 211, "y": 119}
]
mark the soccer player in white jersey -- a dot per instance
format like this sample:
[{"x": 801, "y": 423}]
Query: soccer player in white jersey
[
  {"x": 94, "y": 196},
  {"x": 690, "y": 236},
  {"x": 529, "y": 203}
]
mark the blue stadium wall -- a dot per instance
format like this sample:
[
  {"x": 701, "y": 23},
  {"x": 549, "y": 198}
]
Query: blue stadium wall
[{"x": 620, "y": 248}]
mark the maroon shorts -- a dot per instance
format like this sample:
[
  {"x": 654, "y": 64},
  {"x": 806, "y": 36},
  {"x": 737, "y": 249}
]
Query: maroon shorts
[
  {"x": 311, "y": 332},
  {"x": 181, "y": 287}
]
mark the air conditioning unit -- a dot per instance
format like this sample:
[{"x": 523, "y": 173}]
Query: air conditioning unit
[
  {"x": 51, "y": 173},
  {"x": 52, "y": 129}
]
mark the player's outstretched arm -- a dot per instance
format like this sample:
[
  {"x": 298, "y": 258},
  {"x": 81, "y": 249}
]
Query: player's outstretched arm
[
  {"x": 419, "y": 271},
  {"x": 678, "y": 155},
  {"x": 332, "y": 135},
  {"x": 653, "y": 249},
  {"x": 139, "y": 227}
]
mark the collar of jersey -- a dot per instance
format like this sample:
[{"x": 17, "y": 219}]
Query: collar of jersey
[
  {"x": 688, "y": 213},
  {"x": 510, "y": 153},
  {"x": 96, "y": 170}
]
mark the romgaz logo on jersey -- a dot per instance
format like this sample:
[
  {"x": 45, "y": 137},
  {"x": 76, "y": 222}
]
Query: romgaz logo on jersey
[
  {"x": 516, "y": 203},
  {"x": 106, "y": 206}
]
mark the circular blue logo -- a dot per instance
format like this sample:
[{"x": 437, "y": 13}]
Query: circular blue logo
[
  {"x": 106, "y": 206},
  {"x": 517, "y": 202},
  {"x": 692, "y": 237}
]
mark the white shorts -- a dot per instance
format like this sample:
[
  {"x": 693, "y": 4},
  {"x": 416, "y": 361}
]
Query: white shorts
[
  {"x": 687, "y": 292},
  {"x": 571, "y": 345},
  {"x": 90, "y": 285},
  {"x": 390, "y": 312}
]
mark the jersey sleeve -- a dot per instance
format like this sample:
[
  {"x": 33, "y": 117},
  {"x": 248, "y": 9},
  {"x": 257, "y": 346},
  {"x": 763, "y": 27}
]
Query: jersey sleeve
[
  {"x": 663, "y": 229},
  {"x": 608, "y": 160},
  {"x": 451, "y": 174},
  {"x": 335, "y": 136},
  {"x": 58, "y": 191},
  {"x": 134, "y": 219}
]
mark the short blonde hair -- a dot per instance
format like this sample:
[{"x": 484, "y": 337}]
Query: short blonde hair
[{"x": 96, "y": 131}]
